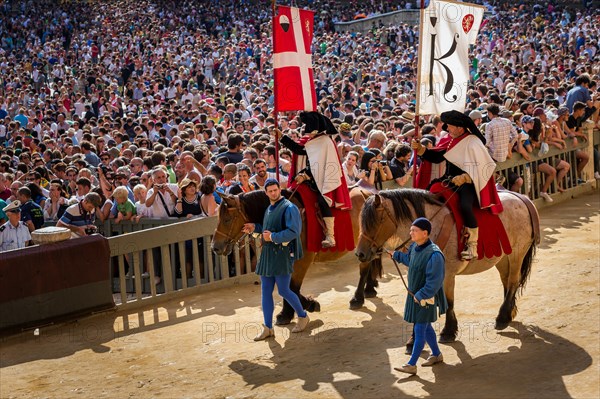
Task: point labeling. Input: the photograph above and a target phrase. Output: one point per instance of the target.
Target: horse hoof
(370, 294)
(501, 325)
(446, 339)
(356, 304)
(281, 320)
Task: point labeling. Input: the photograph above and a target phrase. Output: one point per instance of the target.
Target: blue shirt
(22, 119)
(293, 225)
(92, 159)
(434, 271)
(577, 93)
(32, 211)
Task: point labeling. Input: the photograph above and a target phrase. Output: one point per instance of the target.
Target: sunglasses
(104, 159)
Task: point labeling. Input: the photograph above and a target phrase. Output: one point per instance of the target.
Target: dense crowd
(124, 110)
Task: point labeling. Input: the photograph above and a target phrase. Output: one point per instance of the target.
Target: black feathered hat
(456, 118)
(315, 121)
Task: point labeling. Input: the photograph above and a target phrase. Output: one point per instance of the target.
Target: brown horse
(386, 219)
(250, 207)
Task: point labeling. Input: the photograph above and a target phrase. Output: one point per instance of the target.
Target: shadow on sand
(305, 358)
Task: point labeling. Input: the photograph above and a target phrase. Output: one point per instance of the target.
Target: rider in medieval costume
(469, 172)
(316, 162)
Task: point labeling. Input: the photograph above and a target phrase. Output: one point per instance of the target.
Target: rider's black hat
(456, 118)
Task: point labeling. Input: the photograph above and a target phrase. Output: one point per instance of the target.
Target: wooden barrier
(45, 283)
(150, 263)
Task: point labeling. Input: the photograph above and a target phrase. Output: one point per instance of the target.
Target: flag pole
(275, 112)
(418, 99)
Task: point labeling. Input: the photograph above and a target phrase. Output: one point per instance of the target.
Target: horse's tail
(376, 268)
(536, 238)
(526, 265)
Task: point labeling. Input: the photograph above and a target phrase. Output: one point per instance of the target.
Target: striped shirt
(75, 215)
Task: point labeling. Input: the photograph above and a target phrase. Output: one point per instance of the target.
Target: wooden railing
(152, 262)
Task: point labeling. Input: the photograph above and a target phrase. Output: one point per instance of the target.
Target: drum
(48, 235)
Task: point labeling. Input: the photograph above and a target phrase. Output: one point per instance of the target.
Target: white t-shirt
(158, 209)
(142, 210)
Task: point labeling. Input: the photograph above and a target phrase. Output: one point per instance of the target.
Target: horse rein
(404, 281)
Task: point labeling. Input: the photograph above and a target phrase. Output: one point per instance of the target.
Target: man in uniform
(14, 234)
(469, 171)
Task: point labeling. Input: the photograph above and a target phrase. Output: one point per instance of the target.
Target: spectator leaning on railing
(80, 217)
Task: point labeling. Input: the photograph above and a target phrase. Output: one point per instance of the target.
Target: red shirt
(5, 194)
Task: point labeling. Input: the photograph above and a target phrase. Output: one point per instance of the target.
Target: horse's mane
(401, 199)
(255, 205)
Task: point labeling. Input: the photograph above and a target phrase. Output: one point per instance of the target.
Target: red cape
(340, 197)
(488, 195)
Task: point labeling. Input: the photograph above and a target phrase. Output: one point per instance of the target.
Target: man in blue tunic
(282, 246)
(425, 263)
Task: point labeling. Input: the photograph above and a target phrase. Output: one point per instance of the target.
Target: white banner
(447, 29)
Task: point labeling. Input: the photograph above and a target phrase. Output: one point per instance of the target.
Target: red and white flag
(292, 61)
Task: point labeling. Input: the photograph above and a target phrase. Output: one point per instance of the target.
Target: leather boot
(470, 251)
(329, 240)
(265, 333)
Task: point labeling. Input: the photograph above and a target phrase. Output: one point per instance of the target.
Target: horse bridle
(228, 236)
(379, 248)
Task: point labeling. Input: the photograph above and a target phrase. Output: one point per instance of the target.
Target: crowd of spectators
(129, 109)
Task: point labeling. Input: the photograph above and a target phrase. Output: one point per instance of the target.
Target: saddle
(493, 240)
(344, 236)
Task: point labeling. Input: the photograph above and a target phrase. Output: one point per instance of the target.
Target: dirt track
(202, 346)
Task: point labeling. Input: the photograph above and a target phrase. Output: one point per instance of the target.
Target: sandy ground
(202, 346)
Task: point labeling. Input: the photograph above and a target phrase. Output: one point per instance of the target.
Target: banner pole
(418, 90)
(275, 112)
